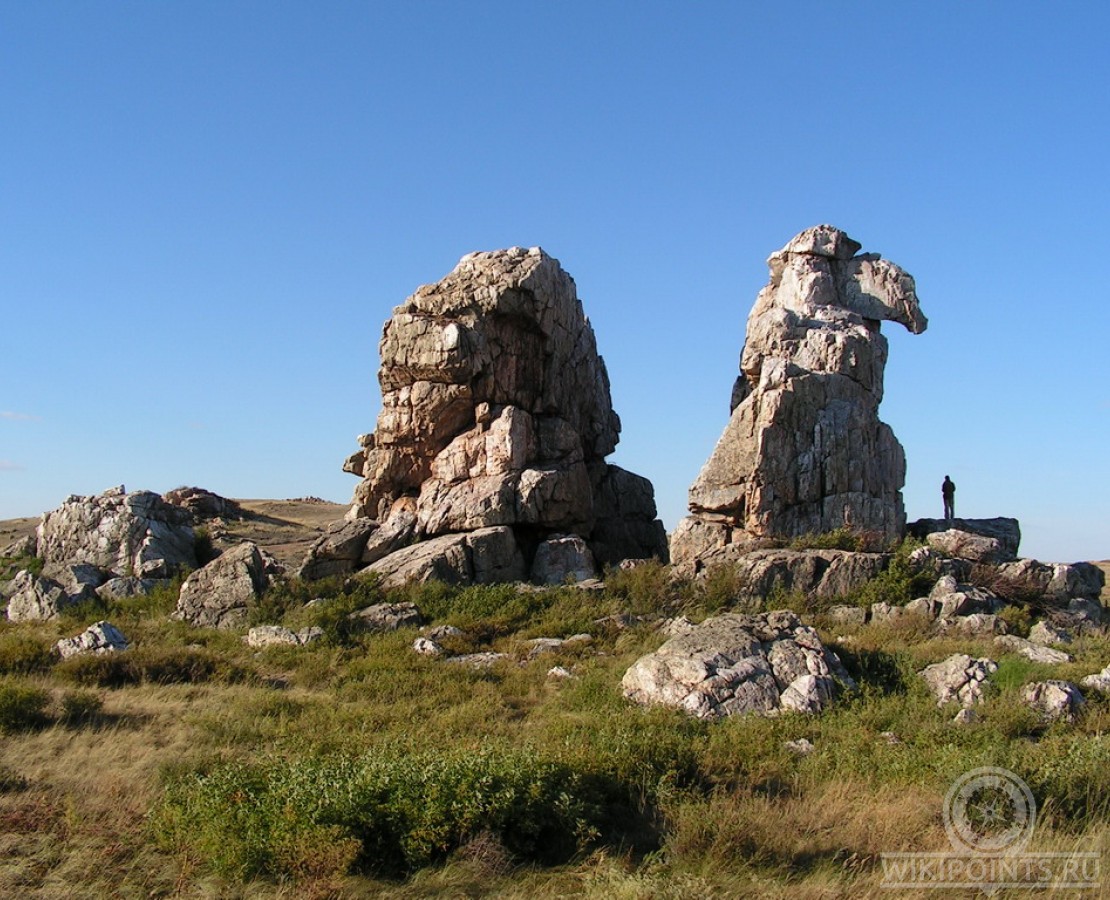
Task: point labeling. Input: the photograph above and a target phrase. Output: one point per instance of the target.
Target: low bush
(79, 707)
(24, 654)
(387, 813)
(155, 665)
(22, 706)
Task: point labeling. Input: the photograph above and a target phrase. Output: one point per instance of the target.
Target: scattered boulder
(276, 635)
(1100, 681)
(1056, 701)
(1057, 583)
(202, 504)
(815, 573)
(35, 598)
(427, 647)
(973, 625)
(539, 646)
(800, 747)
(847, 615)
(1004, 530)
(956, 599)
(496, 412)
(485, 556)
(220, 594)
(563, 557)
(100, 637)
(734, 663)
(1034, 652)
(125, 534)
(442, 632)
(477, 660)
(804, 450)
(959, 678)
(1046, 634)
(383, 617)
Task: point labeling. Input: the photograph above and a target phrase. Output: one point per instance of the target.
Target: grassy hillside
(194, 766)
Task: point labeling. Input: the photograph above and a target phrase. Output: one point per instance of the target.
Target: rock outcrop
(496, 413)
(960, 678)
(121, 533)
(804, 450)
(100, 637)
(733, 663)
(34, 598)
(956, 537)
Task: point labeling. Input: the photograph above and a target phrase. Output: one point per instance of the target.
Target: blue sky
(209, 209)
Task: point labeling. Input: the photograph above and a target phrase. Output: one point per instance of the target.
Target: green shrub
(81, 706)
(837, 539)
(157, 665)
(10, 565)
(388, 813)
(646, 588)
(203, 548)
(21, 706)
(24, 654)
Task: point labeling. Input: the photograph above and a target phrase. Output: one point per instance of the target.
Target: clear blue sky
(208, 210)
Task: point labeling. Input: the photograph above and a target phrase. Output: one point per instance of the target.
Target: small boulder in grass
(100, 637)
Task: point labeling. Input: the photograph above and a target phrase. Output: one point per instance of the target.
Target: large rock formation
(496, 413)
(804, 450)
(120, 533)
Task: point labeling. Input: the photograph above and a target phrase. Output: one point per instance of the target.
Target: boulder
(1056, 583)
(496, 412)
(954, 599)
(804, 450)
(427, 647)
(384, 617)
(973, 625)
(1034, 652)
(1056, 701)
(1046, 634)
(732, 664)
(967, 545)
(1004, 530)
(125, 534)
(847, 615)
(202, 504)
(35, 598)
(124, 586)
(1100, 681)
(562, 557)
(276, 635)
(220, 594)
(338, 551)
(101, 637)
(485, 556)
(959, 678)
(815, 573)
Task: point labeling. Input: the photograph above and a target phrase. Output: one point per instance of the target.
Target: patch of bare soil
(285, 528)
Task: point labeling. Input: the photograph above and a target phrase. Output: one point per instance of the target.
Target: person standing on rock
(948, 492)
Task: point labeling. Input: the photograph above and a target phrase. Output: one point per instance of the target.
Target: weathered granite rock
(956, 599)
(1045, 634)
(126, 534)
(1034, 652)
(1056, 701)
(539, 646)
(496, 412)
(21, 546)
(126, 586)
(1057, 583)
(384, 617)
(485, 556)
(100, 637)
(959, 678)
(1005, 530)
(847, 615)
(427, 647)
(339, 550)
(276, 635)
(733, 663)
(203, 504)
(973, 625)
(804, 450)
(1100, 681)
(562, 557)
(816, 573)
(220, 594)
(35, 598)
(966, 545)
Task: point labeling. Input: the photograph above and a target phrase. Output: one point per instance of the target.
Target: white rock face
(733, 664)
(563, 556)
(276, 635)
(35, 599)
(1034, 652)
(485, 556)
(101, 637)
(383, 617)
(959, 678)
(124, 534)
(496, 413)
(804, 450)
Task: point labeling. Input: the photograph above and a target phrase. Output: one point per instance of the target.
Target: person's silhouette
(948, 493)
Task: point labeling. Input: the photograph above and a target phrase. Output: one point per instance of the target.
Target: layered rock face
(496, 413)
(804, 450)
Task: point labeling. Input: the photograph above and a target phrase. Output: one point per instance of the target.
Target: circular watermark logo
(989, 810)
